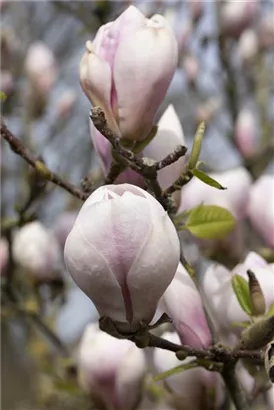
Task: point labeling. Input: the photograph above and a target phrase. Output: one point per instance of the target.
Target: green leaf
(197, 146)
(206, 179)
(241, 290)
(2, 96)
(140, 145)
(178, 369)
(271, 310)
(209, 222)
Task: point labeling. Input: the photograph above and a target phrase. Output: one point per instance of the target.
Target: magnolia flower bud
(260, 208)
(193, 385)
(4, 255)
(120, 64)
(36, 250)
(110, 370)
(234, 198)
(258, 334)
(40, 68)
(169, 135)
(221, 301)
(248, 46)
(237, 16)
(183, 304)
(123, 252)
(245, 129)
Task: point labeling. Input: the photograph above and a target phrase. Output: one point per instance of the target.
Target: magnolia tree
(159, 242)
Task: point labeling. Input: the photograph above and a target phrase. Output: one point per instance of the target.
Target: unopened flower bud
(168, 136)
(245, 132)
(122, 248)
(258, 334)
(183, 304)
(236, 16)
(256, 295)
(123, 50)
(260, 208)
(40, 68)
(36, 250)
(248, 46)
(110, 370)
(217, 288)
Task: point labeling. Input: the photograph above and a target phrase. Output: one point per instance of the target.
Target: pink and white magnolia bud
(260, 208)
(123, 252)
(110, 370)
(183, 304)
(236, 16)
(4, 255)
(193, 386)
(266, 31)
(169, 135)
(63, 225)
(121, 63)
(40, 67)
(245, 130)
(221, 301)
(248, 46)
(234, 198)
(36, 250)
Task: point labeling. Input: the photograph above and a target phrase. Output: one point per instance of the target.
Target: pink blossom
(121, 63)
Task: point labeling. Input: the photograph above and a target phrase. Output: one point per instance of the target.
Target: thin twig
(19, 149)
(216, 354)
(179, 152)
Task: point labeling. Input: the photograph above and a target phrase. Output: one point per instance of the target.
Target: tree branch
(19, 149)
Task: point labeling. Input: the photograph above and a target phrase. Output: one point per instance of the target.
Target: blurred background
(224, 77)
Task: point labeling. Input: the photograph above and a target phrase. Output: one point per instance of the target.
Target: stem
(235, 391)
(19, 149)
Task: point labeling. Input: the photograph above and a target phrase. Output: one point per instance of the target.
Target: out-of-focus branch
(230, 84)
(13, 300)
(19, 149)
(235, 391)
